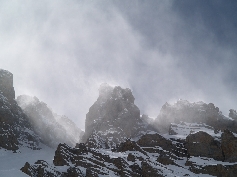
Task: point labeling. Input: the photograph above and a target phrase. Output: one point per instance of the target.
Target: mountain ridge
(186, 139)
(190, 140)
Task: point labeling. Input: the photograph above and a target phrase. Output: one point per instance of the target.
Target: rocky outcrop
(203, 144)
(52, 128)
(219, 170)
(229, 146)
(15, 129)
(42, 168)
(152, 140)
(113, 117)
(191, 112)
(6, 85)
(95, 162)
(233, 114)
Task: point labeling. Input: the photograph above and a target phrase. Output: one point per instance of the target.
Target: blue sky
(61, 51)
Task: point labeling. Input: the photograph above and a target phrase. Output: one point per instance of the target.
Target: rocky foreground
(186, 139)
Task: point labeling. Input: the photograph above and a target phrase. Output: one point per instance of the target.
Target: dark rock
(137, 171)
(203, 144)
(131, 157)
(218, 170)
(129, 145)
(113, 118)
(15, 129)
(6, 84)
(40, 169)
(73, 172)
(26, 169)
(149, 171)
(229, 146)
(61, 155)
(91, 173)
(165, 159)
(152, 140)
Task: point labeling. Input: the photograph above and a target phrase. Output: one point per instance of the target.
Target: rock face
(219, 170)
(203, 144)
(6, 84)
(15, 129)
(191, 112)
(229, 146)
(113, 118)
(52, 128)
(233, 114)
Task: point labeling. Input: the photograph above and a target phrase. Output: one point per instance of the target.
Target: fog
(61, 51)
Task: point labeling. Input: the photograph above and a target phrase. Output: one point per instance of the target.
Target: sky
(61, 51)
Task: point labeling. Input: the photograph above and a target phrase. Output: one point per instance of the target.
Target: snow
(184, 129)
(203, 161)
(11, 163)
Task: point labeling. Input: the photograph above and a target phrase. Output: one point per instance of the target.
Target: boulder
(203, 144)
(229, 146)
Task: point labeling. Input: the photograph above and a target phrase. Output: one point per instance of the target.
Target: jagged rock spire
(6, 84)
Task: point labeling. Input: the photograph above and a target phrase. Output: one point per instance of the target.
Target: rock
(229, 146)
(113, 117)
(129, 145)
(41, 168)
(52, 128)
(233, 114)
(73, 172)
(137, 171)
(120, 142)
(149, 171)
(91, 173)
(131, 157)
(15, 129)
(165, 159)
(26, 169)
(188, 112)
(152, 140)
(61, 155)
(218, 170)
(6, 84)
(203, 144)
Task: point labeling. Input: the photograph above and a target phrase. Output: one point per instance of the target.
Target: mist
(61, 51)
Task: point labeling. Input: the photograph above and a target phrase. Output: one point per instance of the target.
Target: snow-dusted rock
(6, 85)
(198, 112)
(229, 146)
(52, 128)
(113, 118)
(204, 145)
(15, 130)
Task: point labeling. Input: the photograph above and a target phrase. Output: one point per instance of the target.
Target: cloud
(60, 51)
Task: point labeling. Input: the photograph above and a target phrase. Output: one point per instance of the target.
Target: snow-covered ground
(11, 163)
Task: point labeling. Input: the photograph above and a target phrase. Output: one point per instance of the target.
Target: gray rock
(113, 118)
(15, 129)
(203, 144)
(229, 146)
(52, 128)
